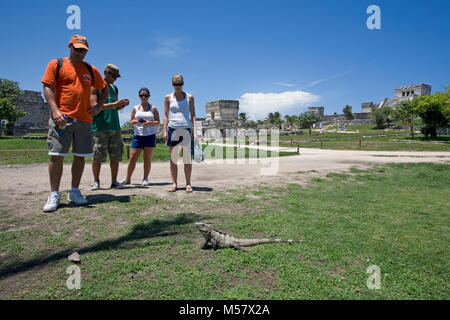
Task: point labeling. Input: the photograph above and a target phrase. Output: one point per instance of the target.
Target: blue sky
(271, 55)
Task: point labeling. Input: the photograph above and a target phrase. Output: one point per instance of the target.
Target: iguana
(221, 240)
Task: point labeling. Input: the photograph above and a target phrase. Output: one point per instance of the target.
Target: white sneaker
(144, 182)
(52, 202)
(124, 182)
(75, 196)
(95, 186)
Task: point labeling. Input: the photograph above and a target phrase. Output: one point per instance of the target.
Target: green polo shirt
(107, 120)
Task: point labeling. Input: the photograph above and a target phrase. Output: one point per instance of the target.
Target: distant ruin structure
(37, 113)
(317, 110)
(220, 115)
(401, 94)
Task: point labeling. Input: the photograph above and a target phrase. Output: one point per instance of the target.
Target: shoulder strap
(59, 64)
(89, 67)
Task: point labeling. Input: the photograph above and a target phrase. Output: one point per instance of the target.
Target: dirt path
(19, 180)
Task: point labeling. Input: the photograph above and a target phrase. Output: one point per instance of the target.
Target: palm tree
(274, 119)
(243, 116)
(308, 118)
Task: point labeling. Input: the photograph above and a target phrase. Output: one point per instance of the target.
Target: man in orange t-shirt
(67, 89)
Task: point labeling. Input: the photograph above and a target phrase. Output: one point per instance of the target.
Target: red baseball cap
(79, 42)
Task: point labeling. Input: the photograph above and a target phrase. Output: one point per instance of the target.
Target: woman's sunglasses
(177, 84)
(144, 95)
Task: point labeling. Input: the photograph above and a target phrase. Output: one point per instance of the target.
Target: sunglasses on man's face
(144, 95)
(81, 50)
(177, 84)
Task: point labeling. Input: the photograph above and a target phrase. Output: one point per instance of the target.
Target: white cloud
(258, 105)
(283, 84)
(169, 47)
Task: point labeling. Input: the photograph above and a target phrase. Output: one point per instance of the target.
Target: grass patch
(145, 247)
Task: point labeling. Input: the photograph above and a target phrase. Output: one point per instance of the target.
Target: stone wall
(38, 113)
(367, 107)
(317, 110)
(360, 118)
(222, 110)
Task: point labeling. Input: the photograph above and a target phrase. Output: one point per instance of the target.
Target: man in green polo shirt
(106, 129)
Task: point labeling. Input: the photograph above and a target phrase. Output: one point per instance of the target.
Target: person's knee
(78, 160)
(57, 159)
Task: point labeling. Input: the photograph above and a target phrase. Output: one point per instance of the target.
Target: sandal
(173, 188)
(189, 189)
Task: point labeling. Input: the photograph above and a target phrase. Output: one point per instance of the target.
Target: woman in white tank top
(179, 119)
(145, 118)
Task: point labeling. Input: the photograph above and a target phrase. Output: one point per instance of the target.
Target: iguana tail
(254, 242)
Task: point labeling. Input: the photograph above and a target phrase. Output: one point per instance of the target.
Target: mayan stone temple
(38, 113)
(220, 115)
(401, 94)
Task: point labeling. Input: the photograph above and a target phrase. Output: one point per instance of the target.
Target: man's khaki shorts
(108, 142)
(59, 141)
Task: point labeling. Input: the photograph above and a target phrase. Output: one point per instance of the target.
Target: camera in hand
(141, 120)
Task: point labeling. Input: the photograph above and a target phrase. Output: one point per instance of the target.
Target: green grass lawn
(144, 247)
(378, 144)
(372, 139)
(20, 151)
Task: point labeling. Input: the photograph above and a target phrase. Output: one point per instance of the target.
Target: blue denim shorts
(175, 141)
(140, 142)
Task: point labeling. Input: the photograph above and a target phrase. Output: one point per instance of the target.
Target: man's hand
(122, 103)
(58, 118)
(166, 136)
(95, 110)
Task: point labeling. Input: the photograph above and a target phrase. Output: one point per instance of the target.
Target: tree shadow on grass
(155, 228)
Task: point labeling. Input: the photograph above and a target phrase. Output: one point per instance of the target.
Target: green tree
(434, 111)
(446, 98)
(349, 116)
(274, 119)
(383, 116)
(407, 113)
(9, 91)
(307, 119)
(243, 117)
(127, 126)
(252, 124)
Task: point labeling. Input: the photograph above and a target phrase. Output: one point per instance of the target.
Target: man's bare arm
(96, 109)
(193, 117)
(57, 116)
(166, 117)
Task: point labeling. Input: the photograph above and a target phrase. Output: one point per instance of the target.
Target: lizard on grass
(221, 240)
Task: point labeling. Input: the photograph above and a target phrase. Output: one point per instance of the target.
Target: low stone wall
(360, 118)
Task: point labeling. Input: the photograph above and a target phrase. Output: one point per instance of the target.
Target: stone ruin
(401, 94)
(38, 113)
(317, 110)
(220, 115)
